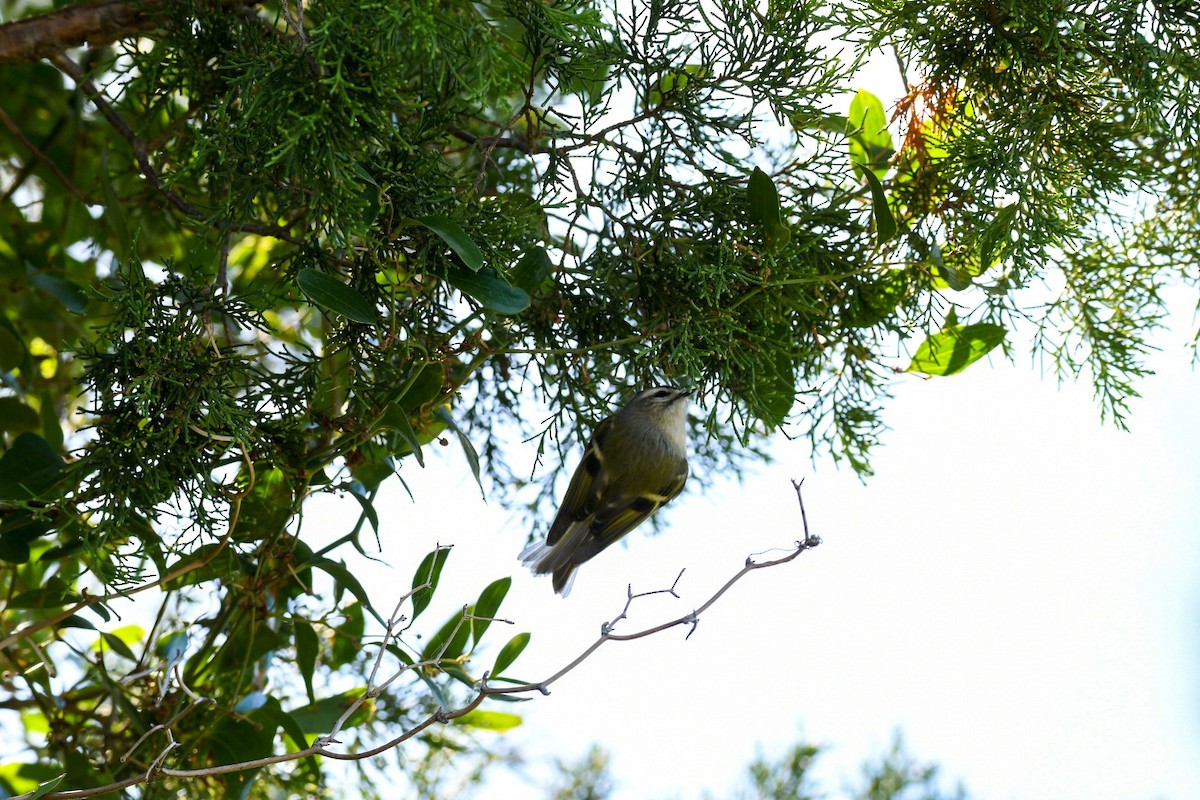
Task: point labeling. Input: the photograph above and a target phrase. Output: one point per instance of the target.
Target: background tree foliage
(251, 253)
(894, 776)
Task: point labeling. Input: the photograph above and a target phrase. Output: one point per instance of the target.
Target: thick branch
(94, 24)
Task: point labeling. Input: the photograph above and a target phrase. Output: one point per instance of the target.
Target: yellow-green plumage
(635, 463)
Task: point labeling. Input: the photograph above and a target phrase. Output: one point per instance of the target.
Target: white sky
(1017, 590)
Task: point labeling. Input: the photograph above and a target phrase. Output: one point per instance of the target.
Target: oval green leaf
(956, 348)
(488, 604)
(16, 416)
(395, 418)
(428, 573)
(28, 468)
(489, 289)
(307, 645)
(885, 223)
(453, 235)
(764, 208)
(532, 270)
(866, 128)
(64, 291)
(508, 654)
(330, 293)
(489, 720)
(468, 448)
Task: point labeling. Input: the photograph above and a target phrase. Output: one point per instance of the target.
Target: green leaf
(869, 140)
(488, 604)
(396, 418)
(118, 646)
(955, 278)
(423, 386)
(20, 527)
(508, 654)
(237, 738)
(429, 572)
(489, 720)
(12, 349)
(113, 215)
(489, 289)
(764, 208)
(450, 641)
(328, 292)
(320, 716)
(272, 711)
(885, 223)
(773, 392)
(268, 507)
(368, 510)
(16, 416)
(347, 638)
(953, 350)
(29, 468)
(51, 428)
(532, 270)
(224, 561)
(370, 197)
(346, 580)
(13, 550)
(54, 593)
(64, 291)
(307, 645)
(47, 787)
(468, 448)
(452, 234)
(673, 83)
(247, 643)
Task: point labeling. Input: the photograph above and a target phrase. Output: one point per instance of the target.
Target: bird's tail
(557, 558)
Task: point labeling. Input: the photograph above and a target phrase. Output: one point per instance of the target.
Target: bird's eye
(663, 393)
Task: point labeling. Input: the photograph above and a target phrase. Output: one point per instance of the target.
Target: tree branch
(94, 24)
(441, 715)
(141, 155)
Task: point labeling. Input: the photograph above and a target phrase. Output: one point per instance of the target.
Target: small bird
(635, 463)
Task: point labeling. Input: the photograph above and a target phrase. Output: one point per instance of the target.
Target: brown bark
(92, 24)
(95, 25)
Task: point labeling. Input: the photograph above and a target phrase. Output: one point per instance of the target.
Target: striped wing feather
(586, 487)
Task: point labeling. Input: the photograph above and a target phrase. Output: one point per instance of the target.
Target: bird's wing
(587, 484)
(622, 514)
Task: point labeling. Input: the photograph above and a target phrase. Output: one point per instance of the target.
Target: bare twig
(443, 716)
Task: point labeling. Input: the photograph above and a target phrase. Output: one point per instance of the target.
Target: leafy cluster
(1043, 143)
(253, 252)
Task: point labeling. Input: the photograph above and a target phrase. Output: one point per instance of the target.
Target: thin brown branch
(489, 143)
(17, 133)
(141, 155)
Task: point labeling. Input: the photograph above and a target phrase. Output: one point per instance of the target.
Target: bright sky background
(1017, 591)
